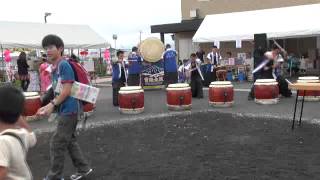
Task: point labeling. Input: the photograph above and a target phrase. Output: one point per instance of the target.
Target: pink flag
(107, 54)
(7, 56)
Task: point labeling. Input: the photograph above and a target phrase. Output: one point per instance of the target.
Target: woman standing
(23, 71)
(45, 74)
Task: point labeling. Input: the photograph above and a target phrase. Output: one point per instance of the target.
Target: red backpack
(80, 73)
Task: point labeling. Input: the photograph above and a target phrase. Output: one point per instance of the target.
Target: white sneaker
(78, 175)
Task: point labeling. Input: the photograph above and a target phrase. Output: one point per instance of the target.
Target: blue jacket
(135, 64)
(170, 62)
(116, 72)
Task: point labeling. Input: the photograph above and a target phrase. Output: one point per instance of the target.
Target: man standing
(196, 76)
(135, 67)
(119, 76)
(67, 107)
(200, 54)
(170, 66)
(214, 58)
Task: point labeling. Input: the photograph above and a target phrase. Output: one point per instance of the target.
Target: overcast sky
(122, 17)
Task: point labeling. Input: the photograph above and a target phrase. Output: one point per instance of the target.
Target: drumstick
(288, 81)
(278, 45)
(265, 62)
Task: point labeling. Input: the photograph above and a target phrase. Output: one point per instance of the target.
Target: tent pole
(100, 61)
(2, 53)
(2, 62)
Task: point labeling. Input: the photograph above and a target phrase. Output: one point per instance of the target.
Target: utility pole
(45, 16)
(140, 35)
(115, 37)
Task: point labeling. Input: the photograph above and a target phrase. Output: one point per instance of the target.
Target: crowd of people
(16, 137)
(128, 72)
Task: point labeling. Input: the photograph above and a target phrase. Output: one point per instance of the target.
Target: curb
(119, 122)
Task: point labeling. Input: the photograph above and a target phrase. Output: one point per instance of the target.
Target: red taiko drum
(32, 103)
(221, 94)
(309, 95)
(179, 97)
(266, 91)
(131, 100)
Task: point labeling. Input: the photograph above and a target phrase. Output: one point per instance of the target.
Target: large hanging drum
(310, 95)
(221, 94)
(151, 49)
(179, 96)
(266, 91)
(32, 103)
(131, 100)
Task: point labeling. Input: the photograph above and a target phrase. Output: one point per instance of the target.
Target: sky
(126, 18)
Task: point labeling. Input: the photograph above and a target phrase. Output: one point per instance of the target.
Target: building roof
(183, 26)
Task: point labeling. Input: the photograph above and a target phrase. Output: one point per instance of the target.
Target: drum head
(265, 80)
(31, 95)
(309, 78)
(151, 49)
(220, 83)
(178, 85)
(130, 88)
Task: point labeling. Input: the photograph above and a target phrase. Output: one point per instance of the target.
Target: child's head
(193, 56)
(134, 49)
(11, 104)
(44, 58)
(54, 46)
(120, 54)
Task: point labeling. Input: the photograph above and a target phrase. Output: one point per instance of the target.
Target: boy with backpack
(67, 108)
(16, 137)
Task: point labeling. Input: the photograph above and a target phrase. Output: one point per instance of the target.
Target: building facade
(194, 11)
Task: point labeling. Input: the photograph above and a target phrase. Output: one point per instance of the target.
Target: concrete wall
(226, 6)
(184, 44)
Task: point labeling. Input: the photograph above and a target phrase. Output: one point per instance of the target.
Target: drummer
(196, 76)
(119, 76)
(267, 71)
(170, 66)
(279, 57)
(214, 58)
(134, 68)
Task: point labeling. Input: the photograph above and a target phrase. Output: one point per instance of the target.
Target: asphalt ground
(155, 106)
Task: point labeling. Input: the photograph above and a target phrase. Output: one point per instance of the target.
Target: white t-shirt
(13, 156)
(211, 56)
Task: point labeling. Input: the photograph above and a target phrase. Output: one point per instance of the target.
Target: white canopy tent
(287, 22)
(29, 35)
